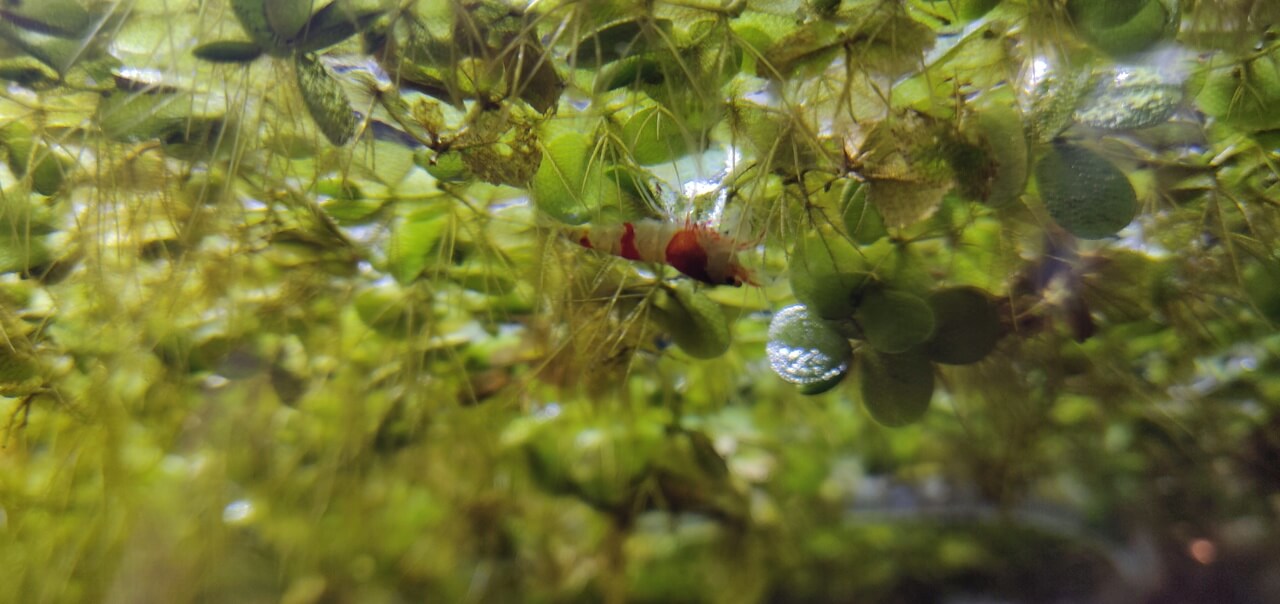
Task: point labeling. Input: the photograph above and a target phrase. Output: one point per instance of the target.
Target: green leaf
(827, 273)
(63, 18)
(861, 220)
(447, 167)
(654, 136)
(413, 242)
(333, 24)
(806, 351)
(58, 53)
(1152, 23)
(1001, 128)
(325, 100)
(894, 321)
(696, 323)
(968, 326)
(1085, 194)
(569, 180)
(611, 41)
(1244, 95)
(20, 252)
(896, 388)
(1055, 100)
(286, 17)
(20, 372)
(228, 51)
(27, 71)
(49, 169)
(1130, 98)
(387, 309)
(1103, 13)
(252, 15)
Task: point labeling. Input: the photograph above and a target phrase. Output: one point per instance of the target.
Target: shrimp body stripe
(690, 248)
(644, 240)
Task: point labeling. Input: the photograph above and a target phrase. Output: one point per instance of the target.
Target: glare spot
(215, 381)
(237, 512)
(548, 411)
(1203, 551)
(145, 76)
(1039, 71)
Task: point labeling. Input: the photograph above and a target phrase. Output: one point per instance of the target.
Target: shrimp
(691, 248)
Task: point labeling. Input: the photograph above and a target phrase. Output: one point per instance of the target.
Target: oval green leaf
(325, 100)
(695, 322)
(894, 321)
(896, 388)
(228, 51)
(862, 220)
(826, 274)
(286, 17)
(1085, 193)
(1130, 98)
(1002, 128)
(968, 326)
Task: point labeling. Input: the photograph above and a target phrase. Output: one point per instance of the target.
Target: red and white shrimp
(691, 248)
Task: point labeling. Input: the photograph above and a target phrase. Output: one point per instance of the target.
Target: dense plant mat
(662, 301)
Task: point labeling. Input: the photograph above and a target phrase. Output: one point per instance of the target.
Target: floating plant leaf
(286, 17)
(653, 136)
(500, 147)
(894, 321)
(896, 388)
(27, 71)
(826, 273)
(19, 371)
(333, 24)
(49, 172)
(252, 15)
(49, 169)
(413, 241)
(135, 117)
(1055, 101)
(1103, 13)
(387, 309)
(1085, 194)
(325, 100)
(446, 167)
(806, 351)
(19, 253)
(1244, 95)
(907, 169)
(611, 41)
(19, 141)
(1001, 128)
(861, 220)
(63, 18)
(696, 323)
(1152, 23)
(228, 51)
(968, 326)
(643, 69)
(56, 52)
(1129, 98)
(569, 182)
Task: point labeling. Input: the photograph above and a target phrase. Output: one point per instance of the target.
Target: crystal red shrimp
(691, 248)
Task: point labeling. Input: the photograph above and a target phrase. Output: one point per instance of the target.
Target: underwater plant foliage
(639, 301)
